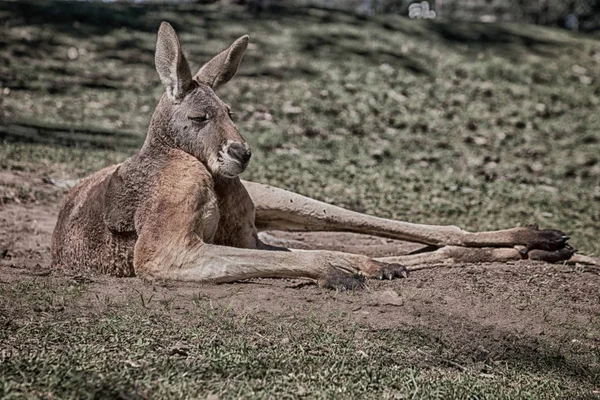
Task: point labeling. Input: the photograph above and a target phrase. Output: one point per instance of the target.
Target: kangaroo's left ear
(223, 66)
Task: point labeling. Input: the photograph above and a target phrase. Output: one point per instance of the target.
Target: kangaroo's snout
(240, 152)
(234, 158)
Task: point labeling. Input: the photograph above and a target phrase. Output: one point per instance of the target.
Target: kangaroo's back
(82, 240)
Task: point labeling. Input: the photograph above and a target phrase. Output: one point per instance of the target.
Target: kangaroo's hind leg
(279, 209)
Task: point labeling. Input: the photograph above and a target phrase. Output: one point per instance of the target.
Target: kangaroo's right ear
(171, 65)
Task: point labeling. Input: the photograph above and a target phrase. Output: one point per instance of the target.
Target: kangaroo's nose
(240, 151)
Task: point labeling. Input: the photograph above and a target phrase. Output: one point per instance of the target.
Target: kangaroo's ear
(223, 66)
(171, 65)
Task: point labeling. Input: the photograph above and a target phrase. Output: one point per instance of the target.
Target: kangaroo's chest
(229, 217)
(208, 223)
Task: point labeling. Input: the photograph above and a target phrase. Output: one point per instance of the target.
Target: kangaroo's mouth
(230, 163)
(231, 169)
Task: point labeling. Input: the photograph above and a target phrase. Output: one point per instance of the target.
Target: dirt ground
(482, 308)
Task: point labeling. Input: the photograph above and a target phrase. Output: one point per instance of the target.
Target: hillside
(428, 122)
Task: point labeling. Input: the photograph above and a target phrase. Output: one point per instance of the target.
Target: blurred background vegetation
(575, 15)
(484, 125)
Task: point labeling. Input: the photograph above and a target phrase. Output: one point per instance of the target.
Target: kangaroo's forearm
(212, 263)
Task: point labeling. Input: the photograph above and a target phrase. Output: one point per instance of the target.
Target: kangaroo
(178, 210)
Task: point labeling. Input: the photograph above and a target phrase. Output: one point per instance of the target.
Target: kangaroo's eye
(231, 114)
(199, 117)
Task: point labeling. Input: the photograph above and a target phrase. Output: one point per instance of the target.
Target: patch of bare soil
(22, 188)
(25, 232)
(29, 207)
(487, 309)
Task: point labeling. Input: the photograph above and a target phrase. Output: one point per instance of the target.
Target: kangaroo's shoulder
(146, 184)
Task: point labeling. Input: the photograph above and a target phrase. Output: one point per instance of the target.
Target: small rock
(387, 297)
(73, 53)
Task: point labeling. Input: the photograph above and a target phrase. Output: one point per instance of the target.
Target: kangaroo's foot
(562, 254)
(548, 240)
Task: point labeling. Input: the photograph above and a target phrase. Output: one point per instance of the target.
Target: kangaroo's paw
(391, 271)
(340, 280)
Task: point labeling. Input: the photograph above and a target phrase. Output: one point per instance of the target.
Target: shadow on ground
(65, 136)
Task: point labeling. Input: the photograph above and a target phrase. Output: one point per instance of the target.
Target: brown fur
(177, 209)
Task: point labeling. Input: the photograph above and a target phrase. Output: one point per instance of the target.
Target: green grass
(138, 344)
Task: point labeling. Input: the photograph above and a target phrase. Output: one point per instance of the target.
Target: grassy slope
(477, 125)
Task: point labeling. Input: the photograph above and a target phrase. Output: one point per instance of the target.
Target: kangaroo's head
(190, 116)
